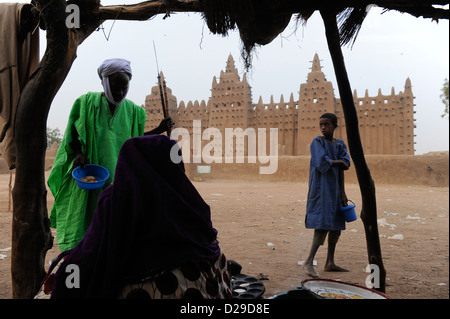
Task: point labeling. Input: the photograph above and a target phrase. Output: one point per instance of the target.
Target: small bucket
(349, 212)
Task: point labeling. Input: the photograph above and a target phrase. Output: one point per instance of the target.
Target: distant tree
(444, 98)
(53, 135)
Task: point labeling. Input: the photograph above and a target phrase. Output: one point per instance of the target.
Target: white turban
(109, 67)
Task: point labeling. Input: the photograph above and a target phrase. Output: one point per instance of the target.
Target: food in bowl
(89, 179)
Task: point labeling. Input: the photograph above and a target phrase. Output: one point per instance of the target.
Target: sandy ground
(261, 226)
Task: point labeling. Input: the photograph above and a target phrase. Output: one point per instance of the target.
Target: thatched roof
(261, 21)
(258, 21)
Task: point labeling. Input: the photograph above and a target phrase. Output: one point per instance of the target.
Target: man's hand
(166, 124)
(80, 160)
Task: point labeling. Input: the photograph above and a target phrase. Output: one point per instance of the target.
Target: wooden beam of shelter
(146, 10)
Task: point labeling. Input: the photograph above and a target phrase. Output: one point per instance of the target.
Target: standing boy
(326, 194)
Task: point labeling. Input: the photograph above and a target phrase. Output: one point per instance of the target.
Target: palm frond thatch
(255, 19)
(350, 21)
(222, 16)
(261, 21)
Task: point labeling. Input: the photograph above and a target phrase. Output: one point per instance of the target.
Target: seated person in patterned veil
(151, 235)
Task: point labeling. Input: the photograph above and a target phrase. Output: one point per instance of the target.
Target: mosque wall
(386, 122)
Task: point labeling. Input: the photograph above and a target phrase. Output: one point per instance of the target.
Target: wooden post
(10, 191)
(366, 183)
(166, 104)
(31, 235)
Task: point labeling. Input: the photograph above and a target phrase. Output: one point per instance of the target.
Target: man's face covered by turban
(115, 75)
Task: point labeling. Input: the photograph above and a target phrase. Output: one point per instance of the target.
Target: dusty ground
(261, 225)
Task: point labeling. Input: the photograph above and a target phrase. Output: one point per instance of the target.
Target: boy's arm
(344, 199)
(341, 163)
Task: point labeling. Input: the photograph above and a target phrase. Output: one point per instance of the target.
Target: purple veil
(151, 218)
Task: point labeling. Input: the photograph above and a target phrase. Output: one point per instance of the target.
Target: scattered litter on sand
(2, 256)
(301, 262)
(390, 214)
(262, 276)
(382, 222)
(412, 217)
(397, 236)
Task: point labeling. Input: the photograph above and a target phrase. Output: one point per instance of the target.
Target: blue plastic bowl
(100, 173)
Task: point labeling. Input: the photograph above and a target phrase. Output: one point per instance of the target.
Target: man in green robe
(99, 124)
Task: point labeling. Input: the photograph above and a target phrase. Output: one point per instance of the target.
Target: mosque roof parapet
(260, 101)
(291, 98)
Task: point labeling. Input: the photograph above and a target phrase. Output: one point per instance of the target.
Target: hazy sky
(390, 48)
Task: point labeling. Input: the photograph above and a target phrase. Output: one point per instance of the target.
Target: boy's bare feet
(310, 271)
(335, 268)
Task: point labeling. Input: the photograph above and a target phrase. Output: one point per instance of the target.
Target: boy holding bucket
(326, 194)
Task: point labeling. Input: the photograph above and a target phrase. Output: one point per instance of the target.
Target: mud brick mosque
(386, 122)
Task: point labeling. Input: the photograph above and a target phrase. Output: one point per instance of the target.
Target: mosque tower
(230, 103)
(315, 98)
